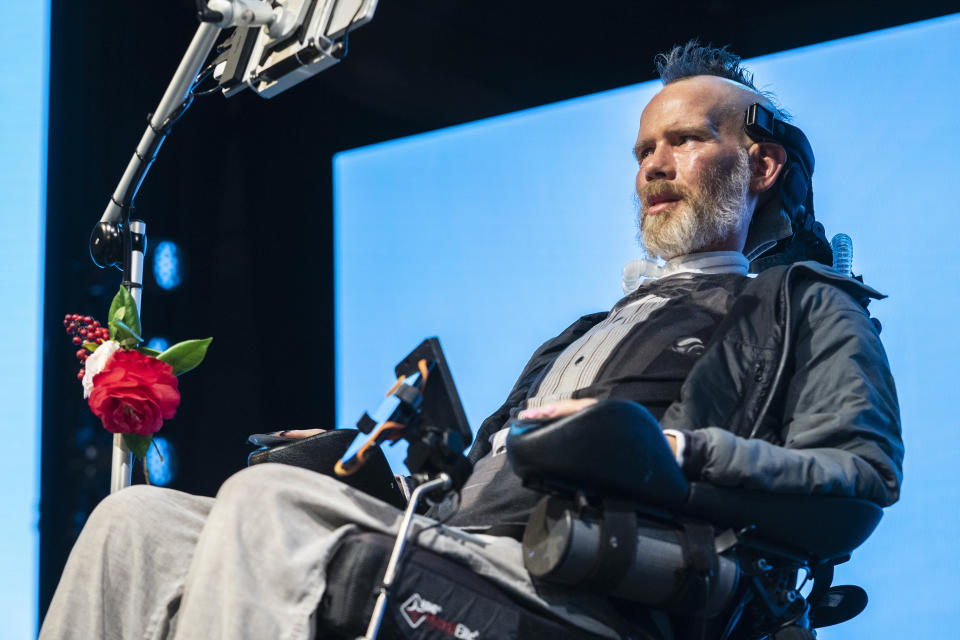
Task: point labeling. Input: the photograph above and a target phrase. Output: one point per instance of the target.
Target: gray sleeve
(841, 421)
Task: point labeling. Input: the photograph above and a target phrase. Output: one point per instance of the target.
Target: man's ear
(766, 162)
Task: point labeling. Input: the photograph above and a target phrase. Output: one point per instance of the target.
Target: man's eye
(644, 153)
(688, 138)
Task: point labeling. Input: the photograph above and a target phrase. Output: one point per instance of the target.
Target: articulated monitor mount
(274, 46)
(424, 409)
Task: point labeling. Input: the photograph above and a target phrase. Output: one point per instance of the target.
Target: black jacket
(793, 394)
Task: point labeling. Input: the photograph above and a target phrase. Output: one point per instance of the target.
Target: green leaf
(185, 355)
(125, 335)
(147, 351)
(137, 444)
(123, 309)
(90, 346)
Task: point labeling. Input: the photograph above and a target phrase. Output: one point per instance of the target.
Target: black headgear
(795, 189)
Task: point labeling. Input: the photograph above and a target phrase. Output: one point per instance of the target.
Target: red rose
(134, 393)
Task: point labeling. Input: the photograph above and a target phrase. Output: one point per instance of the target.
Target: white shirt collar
(707, 262)
(637, 271)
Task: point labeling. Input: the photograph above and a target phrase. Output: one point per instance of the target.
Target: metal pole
(177, 91)
(121, 464)
(443, 481)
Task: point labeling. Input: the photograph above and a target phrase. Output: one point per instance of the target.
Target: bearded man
(777, 382)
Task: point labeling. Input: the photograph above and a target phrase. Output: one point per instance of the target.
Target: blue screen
(496, 235)
(23, 111)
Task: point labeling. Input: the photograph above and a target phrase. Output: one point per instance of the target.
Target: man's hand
(556, 409)
(298, 433)
(672, 441)
(568, 407)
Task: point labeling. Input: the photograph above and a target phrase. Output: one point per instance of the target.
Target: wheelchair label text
(417, 610)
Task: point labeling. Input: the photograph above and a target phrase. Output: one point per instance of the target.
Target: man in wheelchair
(704, 442)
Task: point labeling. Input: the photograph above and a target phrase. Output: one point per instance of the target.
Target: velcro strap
(618, 546)
(701, 563)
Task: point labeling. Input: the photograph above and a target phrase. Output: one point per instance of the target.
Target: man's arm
(841, 421)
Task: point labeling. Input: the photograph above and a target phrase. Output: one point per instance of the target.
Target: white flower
(96, 363)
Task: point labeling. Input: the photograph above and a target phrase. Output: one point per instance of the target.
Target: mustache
(661, 189)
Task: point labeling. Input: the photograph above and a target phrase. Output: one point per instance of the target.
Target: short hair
(695, 59)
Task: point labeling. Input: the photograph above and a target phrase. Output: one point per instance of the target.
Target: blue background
(497, 234)
(24, 49)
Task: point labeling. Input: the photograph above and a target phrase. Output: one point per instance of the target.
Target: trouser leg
(258, 569)
(152, 563)
(259, 566)
(125, 575)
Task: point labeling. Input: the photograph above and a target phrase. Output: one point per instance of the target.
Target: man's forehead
(697, 100)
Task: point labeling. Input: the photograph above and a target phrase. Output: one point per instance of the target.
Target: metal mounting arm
(118, 241)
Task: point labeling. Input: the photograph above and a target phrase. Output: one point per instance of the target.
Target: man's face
(693, 178)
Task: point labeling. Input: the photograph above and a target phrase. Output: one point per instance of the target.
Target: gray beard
(701, 219)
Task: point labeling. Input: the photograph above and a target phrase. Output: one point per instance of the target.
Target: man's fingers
(556, 409)
(300, 433)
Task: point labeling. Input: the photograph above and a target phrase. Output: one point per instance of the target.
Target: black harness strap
(618, 545)
(701, 563)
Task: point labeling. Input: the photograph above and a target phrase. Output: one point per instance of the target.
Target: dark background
(244, 187)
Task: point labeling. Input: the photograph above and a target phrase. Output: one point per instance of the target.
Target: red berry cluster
(84, 329)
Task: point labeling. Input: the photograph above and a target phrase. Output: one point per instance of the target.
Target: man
(777, 383)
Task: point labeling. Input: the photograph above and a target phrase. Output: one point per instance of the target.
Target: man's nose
(658, 165)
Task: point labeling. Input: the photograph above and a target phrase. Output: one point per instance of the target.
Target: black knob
(106, 245)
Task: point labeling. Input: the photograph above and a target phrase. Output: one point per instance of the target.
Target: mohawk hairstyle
(695, 59)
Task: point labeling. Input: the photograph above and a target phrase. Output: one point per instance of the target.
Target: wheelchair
(678, 560)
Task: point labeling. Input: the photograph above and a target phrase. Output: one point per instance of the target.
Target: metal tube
(186, 73)
(443, 481)
(138, 247)
(177, 91)
(121, 464)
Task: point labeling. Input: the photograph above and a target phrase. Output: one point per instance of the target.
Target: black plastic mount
(762, 124)
(809, 241)
(206, 15)
(437, 430)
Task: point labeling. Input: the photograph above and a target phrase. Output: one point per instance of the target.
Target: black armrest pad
(824, 527)
(613, 448)
(320, 453)
(616, 449)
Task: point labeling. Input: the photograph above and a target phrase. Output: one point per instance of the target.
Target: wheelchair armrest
(822, 527)
(613, 448)
(616, 449)
(320, 453)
